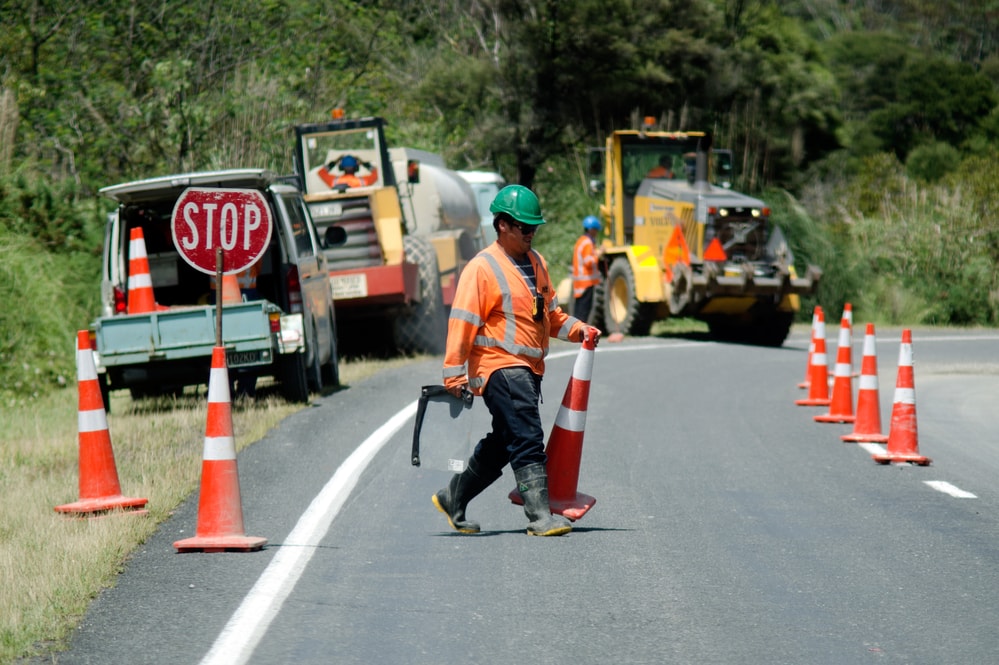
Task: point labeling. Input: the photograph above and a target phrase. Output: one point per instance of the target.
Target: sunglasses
(525, 229)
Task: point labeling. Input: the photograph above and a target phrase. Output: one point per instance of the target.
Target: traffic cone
(140, 282)
(841, 404)
(220, 511)
(565, 443)
(230, 290)
(867, 426)
(903, 445)
(818, 376)
(99, 487)
(811, 349)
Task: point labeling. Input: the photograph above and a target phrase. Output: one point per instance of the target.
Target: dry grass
(52, 566)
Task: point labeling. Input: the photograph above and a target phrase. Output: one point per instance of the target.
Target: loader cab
(320, 146)
(666, 166)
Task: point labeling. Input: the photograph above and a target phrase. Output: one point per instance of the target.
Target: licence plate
(349, 286)
(242, 358)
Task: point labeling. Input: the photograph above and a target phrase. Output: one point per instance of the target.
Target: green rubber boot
(453, 499)
(532, 483)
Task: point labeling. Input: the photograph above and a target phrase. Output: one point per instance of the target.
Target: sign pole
(218, 296)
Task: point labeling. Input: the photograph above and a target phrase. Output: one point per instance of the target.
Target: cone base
(834, 418)
(211, 544)
(813, 402)
(104, 504)
(572, 508)
(857, 437)
(902, 458)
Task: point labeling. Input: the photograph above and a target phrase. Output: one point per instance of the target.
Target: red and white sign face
(237, 220)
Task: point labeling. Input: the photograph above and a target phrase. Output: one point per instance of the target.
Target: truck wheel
(622, 311)
(422, 328)
(315, 368)
(331, 368)
(104, 383)
(294, 378)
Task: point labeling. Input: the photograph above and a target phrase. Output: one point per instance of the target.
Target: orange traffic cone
(903, 445)
(99, 487)
(841, 405)
(140, 282)
(220, 510)
(230, 290)
(811, 350)
(818, 376)
(867, 426)
(565, 444)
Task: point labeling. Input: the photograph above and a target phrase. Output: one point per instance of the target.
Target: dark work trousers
(517, 438)
(581, 309)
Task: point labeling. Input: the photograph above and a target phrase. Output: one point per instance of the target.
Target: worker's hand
(459, 391)
(591, 332)
(366, 165)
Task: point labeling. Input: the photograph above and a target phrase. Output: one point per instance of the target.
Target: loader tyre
(597, 310)
(622, 311)
(422, 328)
(773, 329)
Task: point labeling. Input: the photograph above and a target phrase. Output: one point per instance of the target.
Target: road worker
(348, 178)
(504, 311)
(585, 276)
(663, 170)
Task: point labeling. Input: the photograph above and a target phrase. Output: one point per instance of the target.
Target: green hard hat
(520, 203)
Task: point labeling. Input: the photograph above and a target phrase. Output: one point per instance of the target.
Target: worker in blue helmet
(348, 176)
(586, 257)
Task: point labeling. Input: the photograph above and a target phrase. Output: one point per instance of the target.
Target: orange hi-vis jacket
(492, 322)
(584, 266)
(349, 179)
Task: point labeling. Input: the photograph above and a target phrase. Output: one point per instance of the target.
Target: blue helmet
(591, 222)
(348, 162)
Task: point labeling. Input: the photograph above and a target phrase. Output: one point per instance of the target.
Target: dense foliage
(872, 125)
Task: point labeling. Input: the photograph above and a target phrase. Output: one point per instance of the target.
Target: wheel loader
(679, 242)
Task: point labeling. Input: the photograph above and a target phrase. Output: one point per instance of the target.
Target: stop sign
(237, 220)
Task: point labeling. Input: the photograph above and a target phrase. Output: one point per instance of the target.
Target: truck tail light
(294, 288)
(274, 318)
(120, 306)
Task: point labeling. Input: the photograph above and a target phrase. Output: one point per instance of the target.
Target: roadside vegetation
(871, 128)
(51, 565)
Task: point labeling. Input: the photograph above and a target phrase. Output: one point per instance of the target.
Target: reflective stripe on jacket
(492, 324)
(584, 266)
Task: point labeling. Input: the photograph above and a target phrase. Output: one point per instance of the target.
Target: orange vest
(492, 322)
(349, 179)
(584, 266)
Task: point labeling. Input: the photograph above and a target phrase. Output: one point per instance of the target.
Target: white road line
(236, 642)
(947, 488)
(246, 627)
(873, 448)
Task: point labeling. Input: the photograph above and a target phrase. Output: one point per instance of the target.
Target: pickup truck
(285, 326)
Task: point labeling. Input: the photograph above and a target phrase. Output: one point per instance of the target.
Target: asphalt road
(729, 528)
